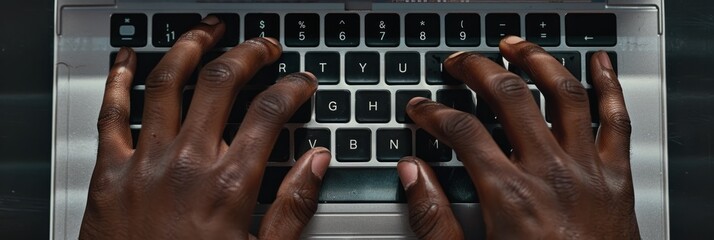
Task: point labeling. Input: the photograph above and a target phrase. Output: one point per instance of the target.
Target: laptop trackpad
(371, 185)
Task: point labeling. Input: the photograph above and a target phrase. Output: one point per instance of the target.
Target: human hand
(556, 184)
(183, 181)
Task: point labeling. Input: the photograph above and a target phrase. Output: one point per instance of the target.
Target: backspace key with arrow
(591, 29)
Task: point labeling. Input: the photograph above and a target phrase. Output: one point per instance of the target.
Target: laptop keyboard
(368, 67)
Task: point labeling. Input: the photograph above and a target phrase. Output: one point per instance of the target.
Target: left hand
(183, 181)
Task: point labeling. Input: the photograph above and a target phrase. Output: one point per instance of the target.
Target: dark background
(26, 40)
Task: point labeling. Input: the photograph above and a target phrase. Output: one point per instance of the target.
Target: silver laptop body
(82, 56)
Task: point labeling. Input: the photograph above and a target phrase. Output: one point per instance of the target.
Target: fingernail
(211, 20)
(273, 41)
(320, 162)
(456, 54)
(513, 40)
(408, 173)
(122, 55)
(604, 60)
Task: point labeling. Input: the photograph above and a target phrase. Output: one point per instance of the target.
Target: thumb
(430, 214)
(296, 201)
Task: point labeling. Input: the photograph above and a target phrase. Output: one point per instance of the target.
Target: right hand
(556, 184)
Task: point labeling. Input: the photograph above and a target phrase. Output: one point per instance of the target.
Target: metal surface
(83, 56)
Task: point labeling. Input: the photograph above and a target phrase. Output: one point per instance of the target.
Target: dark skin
(183, 181)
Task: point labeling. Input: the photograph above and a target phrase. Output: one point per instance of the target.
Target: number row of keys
(381, 29)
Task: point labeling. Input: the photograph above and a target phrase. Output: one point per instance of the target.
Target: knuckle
(460, 127)
(161, 78)
(111, 116)
(301, 204)
(218, 74)
(518, 196)
(424, 217)
(183, 169)
(101, 190)
(562, 180)
(620, 122)
(508, 86)
(570, 89)
(272, 107)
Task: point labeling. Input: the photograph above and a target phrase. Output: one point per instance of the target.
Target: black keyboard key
(342, 30)
(262, 25)
(302, 30)
(543, 29)
(435, 72)
(324, 65)
(145, 62)
(332, 106)
(591, 29)
(500, 25)
(303, 113)
(459, 99)
(463, 29)
(382, 30)
(135, 137)
(402, 68)
(240, 107)
(281, 149)
(306, 139)
(422, 30)
(484, 113)
(536, 97)
(588, 60)
(229, 133)
(430, 149)
(168, 27)
(136, 99)
(402, 99)
(288, 63)
(128, 30)
(186, 103)
(372, 106)
(571, 61)
(231, 37)
(353, 145)
(393, 144)
(499, 136)
(362, 68)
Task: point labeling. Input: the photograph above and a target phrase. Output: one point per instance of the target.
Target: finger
(296, 201)
(615, 129)
(113, 124)
(269, 111)
(164, 85)
(430, 214)
(508, 95)
(465, 134)
(217, 86)
(567, 99)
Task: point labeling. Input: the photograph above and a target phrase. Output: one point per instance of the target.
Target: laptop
(358, 111)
